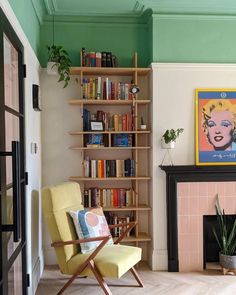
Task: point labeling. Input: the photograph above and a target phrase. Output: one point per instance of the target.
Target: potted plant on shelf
(143, 126)
(59, 63)
(226, 239)
(169, 137)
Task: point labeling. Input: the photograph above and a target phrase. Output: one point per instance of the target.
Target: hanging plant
(60, 60)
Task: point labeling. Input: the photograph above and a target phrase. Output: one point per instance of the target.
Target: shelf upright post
(135, 152)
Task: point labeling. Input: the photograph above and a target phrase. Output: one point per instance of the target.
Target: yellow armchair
(57, 202)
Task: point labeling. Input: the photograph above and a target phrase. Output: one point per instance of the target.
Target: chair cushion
(90, 223)
(112, 261)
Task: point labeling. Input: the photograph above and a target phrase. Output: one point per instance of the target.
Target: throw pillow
(90, 223)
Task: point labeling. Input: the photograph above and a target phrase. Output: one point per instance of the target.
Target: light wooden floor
(158, 283)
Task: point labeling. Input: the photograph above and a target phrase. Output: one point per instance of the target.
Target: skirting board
(159, 260)
(35, 277)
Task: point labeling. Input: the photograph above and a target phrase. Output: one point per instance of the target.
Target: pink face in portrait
(220, 127)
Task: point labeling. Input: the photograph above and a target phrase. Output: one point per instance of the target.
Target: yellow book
(99, 168)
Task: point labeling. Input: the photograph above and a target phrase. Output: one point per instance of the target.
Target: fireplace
(176, 175)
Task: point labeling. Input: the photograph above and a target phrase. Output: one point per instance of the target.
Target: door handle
(16, 189)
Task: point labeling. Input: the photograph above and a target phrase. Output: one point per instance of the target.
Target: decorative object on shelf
(168, 142)
(226, 239)
(215, 114)
(134, 89)
(143, 126)
(58, 61)
(96, 126)
(36, 97)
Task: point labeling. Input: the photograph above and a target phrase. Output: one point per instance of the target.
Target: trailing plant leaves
(61, 57)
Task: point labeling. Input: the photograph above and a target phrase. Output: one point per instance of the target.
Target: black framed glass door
(12, 159)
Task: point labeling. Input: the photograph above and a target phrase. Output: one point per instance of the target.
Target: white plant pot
(143, 127)
(169, 145)
(52, 68)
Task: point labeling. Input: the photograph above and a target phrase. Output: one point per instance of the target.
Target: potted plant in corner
(169, 137)
(226, 239)
(59, 63)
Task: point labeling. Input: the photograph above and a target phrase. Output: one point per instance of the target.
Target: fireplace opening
(211, 248)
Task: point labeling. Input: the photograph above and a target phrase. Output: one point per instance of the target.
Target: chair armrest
(122, 224)
(76, 242)
(128, 226)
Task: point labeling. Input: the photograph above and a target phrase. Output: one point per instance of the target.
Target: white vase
(52, 68)
(169, 145)
(143, 127)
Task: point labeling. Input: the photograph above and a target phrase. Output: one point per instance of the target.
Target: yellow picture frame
(215, 126)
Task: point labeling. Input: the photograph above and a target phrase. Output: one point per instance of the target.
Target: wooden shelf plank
(79, 178)
(107, 102)
(111, 148)
(142, 237)
(109, 71)
(109, 132)
(139, 208)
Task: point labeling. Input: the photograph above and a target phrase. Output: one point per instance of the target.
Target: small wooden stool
(226, 271)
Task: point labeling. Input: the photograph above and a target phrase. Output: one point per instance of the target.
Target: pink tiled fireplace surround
(190, 194)
(195, 199)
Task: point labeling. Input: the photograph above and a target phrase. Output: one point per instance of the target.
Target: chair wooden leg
(99, 278)
(135, 274)
(69, 282)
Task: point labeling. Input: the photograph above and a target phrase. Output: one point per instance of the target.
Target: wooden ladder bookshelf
(139, 105)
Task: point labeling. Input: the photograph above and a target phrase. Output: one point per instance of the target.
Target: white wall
(33, 161)
(173, 107)
(58, 118)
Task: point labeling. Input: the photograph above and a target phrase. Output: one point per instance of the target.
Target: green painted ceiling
(135, 8)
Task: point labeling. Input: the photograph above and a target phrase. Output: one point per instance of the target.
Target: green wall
(29, 20)
(121, 39)
(194, 38)
(161, 38)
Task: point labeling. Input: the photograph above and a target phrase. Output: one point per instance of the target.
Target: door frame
(6, 28)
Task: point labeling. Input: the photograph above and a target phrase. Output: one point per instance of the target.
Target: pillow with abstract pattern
(90, 223)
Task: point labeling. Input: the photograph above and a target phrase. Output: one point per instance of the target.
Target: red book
(112, 90)
(102, 168)
(128, 122)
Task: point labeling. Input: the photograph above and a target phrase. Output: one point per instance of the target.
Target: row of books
(109, 168)
(114, 122)
(114, 219)
(105, 89)
(98, 59)
(108, 197)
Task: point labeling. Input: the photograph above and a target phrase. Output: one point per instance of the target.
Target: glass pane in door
(12, 134)
(11, 75)
(15, 277)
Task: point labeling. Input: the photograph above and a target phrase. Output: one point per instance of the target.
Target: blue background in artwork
(216, 94)
(217, 156)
